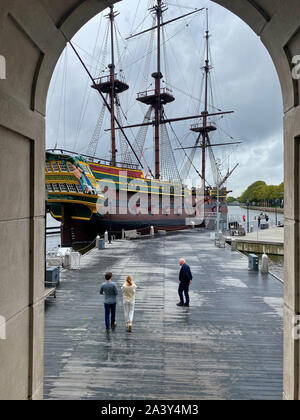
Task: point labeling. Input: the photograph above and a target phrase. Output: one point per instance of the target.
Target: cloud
(244, 80)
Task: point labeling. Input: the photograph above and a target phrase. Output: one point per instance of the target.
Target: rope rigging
(126, 156)
(140, 74)
(92, 148)
(188, 165)
(140, 139)
(168, 167)
(181, 147)
(86, 95)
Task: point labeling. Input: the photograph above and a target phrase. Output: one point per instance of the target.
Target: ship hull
(84, 232)
(81, 197)
(77, 232)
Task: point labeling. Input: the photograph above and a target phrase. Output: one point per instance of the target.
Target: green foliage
(231, 200)
(261, 193)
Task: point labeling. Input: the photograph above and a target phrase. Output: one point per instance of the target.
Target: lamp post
(248, 230)
(218, 209)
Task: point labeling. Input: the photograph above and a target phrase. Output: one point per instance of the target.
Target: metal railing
(94, 159)
(153, 92)
(200, 125)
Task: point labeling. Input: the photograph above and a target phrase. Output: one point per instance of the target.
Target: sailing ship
(91, 195)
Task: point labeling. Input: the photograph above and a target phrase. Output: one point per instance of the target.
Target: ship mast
(159, 97)
(112, 86)
(158, 76)
(157, 101)
(204, 129)
(207, 69)
(112, 16)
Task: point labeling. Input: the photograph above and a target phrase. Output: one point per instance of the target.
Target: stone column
(31, 42)
(292, 250)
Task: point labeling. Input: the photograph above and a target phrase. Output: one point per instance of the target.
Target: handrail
(197, 125)
(147, 92)
(95, 159)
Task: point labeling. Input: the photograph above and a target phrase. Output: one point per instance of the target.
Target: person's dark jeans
(110, 310)
(184, 288)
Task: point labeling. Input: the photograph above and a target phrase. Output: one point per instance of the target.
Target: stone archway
(31, 42)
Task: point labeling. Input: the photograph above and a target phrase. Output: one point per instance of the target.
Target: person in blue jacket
(185, 280)
(110, 291)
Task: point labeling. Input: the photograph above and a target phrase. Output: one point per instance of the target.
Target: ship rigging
(77, 211)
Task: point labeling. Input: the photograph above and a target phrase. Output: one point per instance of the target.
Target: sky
(244, 80)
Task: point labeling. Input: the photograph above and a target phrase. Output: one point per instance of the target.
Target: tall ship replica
(90, 195)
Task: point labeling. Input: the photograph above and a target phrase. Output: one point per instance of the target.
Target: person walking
(259, 220)
(110, 291)
(129, 291)
(185, 280)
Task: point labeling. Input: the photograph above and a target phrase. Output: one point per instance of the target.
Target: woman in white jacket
(129, 290)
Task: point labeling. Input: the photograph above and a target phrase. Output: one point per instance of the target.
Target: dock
(267, 241)
(227, 345)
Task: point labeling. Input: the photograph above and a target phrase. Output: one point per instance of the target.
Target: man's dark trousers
(110, 309)
(185, 278)
(184, 288)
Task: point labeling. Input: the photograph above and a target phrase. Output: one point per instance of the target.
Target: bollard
(152, 231)
(253, 262)
(265, 264)
(123, 233)
(52, 277)
(106, 237)
(233, 245)
(67, 259)
(101, 244)
(193, 225)
(251, 229)
(97, 241)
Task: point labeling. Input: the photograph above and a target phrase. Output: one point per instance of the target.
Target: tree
(250, 193)
(260, 193)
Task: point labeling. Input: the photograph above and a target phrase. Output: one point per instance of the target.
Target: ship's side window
(63, 187)
(55, 187)
(70, 167)
(72, 188)
(79, 189)
(48, 167)
(63, 167)
(49, 187)
(55, 167)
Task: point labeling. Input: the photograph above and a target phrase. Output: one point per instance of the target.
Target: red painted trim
(116, 171)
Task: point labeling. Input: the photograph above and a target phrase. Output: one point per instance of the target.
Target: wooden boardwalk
(227, 345)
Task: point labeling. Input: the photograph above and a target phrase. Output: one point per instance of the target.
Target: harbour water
(235, 213)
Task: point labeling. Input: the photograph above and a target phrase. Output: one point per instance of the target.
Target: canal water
(236, 213)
